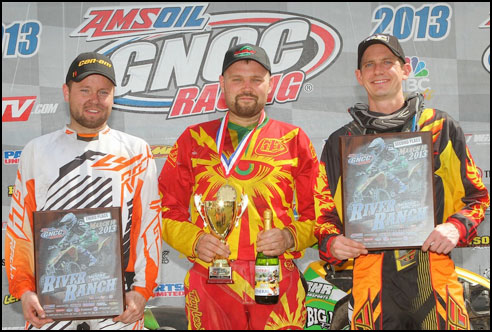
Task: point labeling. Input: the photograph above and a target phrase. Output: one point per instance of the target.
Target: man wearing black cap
(252, 155)
(405, 289)
(87, 165)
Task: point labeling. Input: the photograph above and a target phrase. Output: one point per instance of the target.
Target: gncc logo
(168, 58)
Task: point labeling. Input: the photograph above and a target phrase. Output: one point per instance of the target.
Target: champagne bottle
(267, 272)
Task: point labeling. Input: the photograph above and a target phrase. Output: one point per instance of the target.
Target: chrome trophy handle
(243, 204)
(199, 205)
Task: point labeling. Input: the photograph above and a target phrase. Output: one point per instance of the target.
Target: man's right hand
(33, 312)
(344, 248)
(208, 246)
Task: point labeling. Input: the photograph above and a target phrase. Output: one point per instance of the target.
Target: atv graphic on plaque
(388, 195)
(78, 262)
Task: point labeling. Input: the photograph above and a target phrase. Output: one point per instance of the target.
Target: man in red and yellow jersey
(275, 165)
(405, 289)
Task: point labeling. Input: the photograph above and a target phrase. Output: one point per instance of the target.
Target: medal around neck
(222, 214)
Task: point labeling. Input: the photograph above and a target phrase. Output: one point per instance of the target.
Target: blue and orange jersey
(278, 170)
(63, 170)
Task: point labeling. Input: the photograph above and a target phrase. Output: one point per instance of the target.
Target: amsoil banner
(168, 58)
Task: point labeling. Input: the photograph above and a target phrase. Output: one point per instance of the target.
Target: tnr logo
(17, 108)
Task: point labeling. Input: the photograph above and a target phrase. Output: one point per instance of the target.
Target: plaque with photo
(388, 193)
(78, 263)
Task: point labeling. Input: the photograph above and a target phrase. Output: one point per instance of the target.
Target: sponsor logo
(169, 290)
(45, 109)
(318, 317)
(245, 51)
(11, 157)
(10, 189)
(480, 241)
(168, 58)
(271, 147)
(9, 299)
(52, 233)
(378, 37)
(320, 289)
(17, 108)
(360, 159)
(418, 81)
(20, 108)
(477, 138)
(160, 151)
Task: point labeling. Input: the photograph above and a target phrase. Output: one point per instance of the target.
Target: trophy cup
(222, 215)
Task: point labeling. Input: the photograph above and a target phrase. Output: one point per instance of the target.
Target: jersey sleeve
(329, 224)
(19, 247)
(176, 183)
(461, 196)
(147, 220)
(312, 194)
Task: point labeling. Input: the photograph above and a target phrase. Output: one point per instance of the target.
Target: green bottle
(267, 271)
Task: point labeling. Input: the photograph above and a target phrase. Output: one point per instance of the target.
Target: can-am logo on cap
(168, 58)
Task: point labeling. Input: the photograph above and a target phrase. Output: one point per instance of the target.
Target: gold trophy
(221, 214)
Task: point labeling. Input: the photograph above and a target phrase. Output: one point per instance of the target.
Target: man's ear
(66, 92)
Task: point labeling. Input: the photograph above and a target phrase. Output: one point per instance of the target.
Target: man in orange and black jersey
(405, 289)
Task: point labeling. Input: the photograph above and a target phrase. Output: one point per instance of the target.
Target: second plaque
(388, 196)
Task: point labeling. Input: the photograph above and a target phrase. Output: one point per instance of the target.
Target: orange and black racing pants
(407, 289)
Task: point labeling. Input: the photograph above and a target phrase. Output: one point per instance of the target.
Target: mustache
(91, 106)
(247, 95)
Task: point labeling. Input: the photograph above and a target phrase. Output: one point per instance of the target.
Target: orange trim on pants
(416, 291)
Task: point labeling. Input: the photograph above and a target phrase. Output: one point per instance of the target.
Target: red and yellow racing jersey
(278, 167)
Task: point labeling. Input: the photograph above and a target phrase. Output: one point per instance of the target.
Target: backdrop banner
(168, 58)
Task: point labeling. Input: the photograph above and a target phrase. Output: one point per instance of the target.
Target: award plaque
(388, 195)
(221, 214)
(78, 263)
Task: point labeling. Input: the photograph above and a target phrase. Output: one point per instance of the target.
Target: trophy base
(219, 275)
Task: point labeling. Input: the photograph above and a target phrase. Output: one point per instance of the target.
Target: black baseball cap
(246, 52)
(389, 41)
(89, 63)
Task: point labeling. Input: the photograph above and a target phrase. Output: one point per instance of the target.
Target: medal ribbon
(230, 164)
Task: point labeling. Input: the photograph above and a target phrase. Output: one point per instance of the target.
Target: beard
(247, 110)
(90, 123)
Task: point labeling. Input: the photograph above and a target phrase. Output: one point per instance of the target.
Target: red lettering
(221, 103)
(271, 95)
(98, 23)
(184, 102)
(144, 15)
(290, 87)
(206, 101)
(17, 108)
(121, 21)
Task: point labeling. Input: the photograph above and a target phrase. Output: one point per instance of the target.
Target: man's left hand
(274, 242)
(135, 306)
(443, 239)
